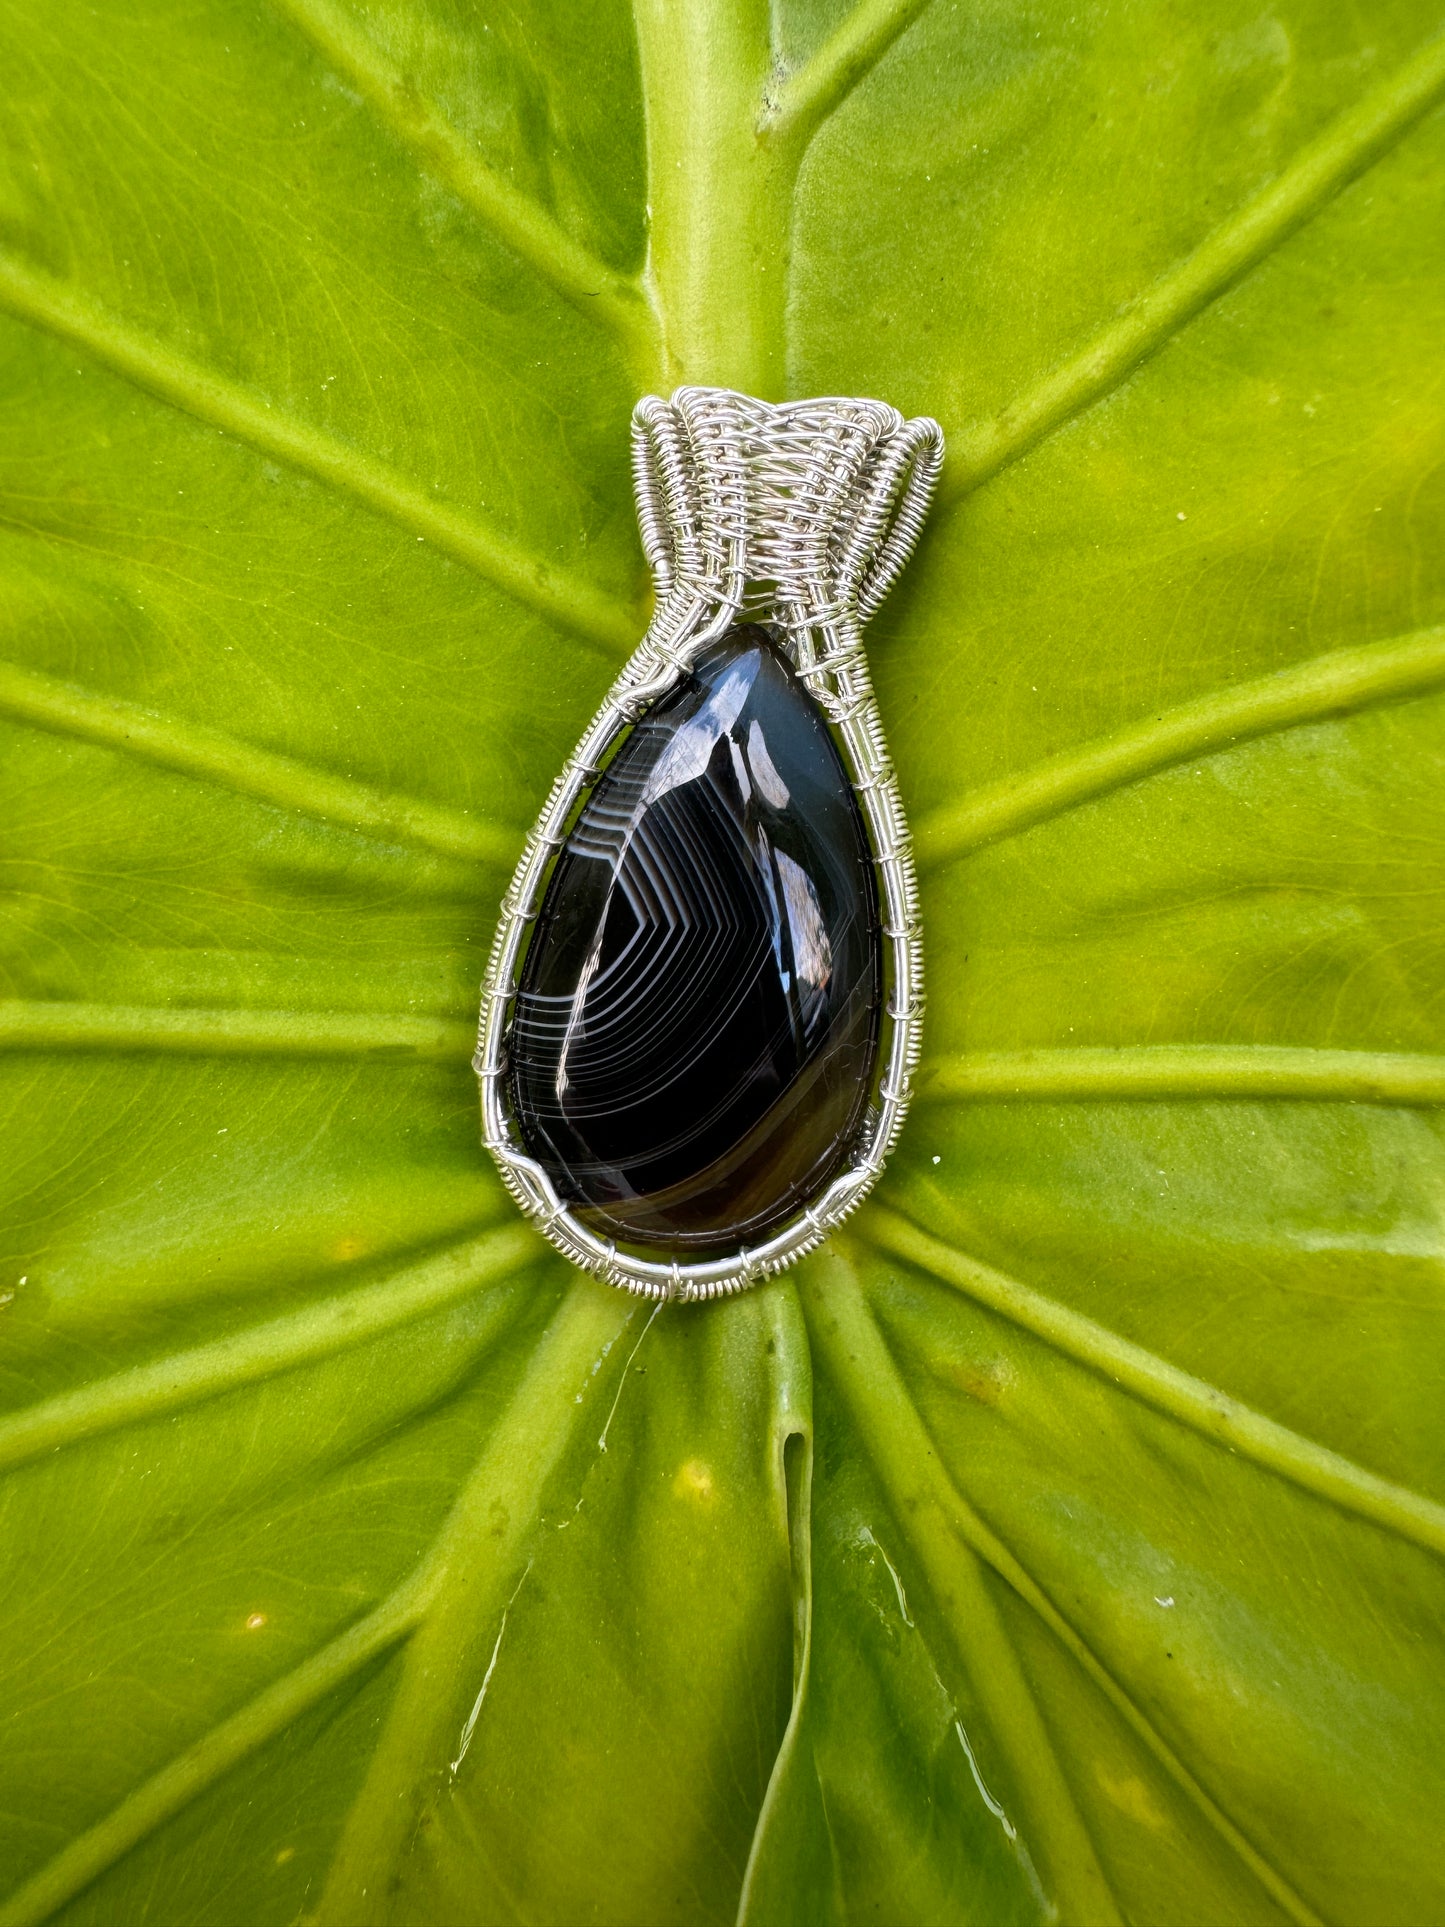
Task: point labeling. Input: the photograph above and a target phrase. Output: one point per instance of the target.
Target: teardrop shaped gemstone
(697, 1018)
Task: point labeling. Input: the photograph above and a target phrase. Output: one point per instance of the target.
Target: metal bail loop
(800, 515)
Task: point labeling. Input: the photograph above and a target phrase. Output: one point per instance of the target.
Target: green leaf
(1063, 1544)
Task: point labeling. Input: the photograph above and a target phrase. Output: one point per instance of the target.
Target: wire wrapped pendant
(702, 1010)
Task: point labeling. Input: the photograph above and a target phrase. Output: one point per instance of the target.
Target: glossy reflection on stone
(697, 1019)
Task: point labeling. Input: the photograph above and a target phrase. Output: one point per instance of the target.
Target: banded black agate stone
(697, 1018)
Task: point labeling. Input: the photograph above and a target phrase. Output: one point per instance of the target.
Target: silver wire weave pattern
(800, 515)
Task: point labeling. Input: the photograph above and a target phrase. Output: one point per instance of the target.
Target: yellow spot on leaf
(1131, 1796)
(345, 1249)
(255, 1622)
(694, 1481)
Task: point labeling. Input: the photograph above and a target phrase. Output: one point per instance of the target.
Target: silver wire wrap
(801, 515)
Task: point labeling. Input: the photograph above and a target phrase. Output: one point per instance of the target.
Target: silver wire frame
(800, 515)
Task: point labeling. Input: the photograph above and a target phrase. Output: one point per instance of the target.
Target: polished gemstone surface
(698, 1013)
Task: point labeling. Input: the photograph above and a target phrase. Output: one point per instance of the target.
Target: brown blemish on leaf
(988, 1382)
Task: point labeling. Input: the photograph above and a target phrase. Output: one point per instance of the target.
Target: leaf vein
(1189, 1071)
(802, 102)
(289, 782)
(187, 1776)
(1178, 1394)
(925, 1497)
(1320, 171)
(230, 1031)
(595, 289)
(588, 1320)
(336, 1324)
(1335, 684)
(475, 1564)
(52, 306)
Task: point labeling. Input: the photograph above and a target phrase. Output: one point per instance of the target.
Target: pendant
(701, 1012)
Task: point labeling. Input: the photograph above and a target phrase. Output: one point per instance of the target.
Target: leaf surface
(1063, 1543)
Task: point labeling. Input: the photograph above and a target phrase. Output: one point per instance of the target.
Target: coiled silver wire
(801, 515)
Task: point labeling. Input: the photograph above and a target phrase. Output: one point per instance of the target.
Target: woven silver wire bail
(812, 509)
